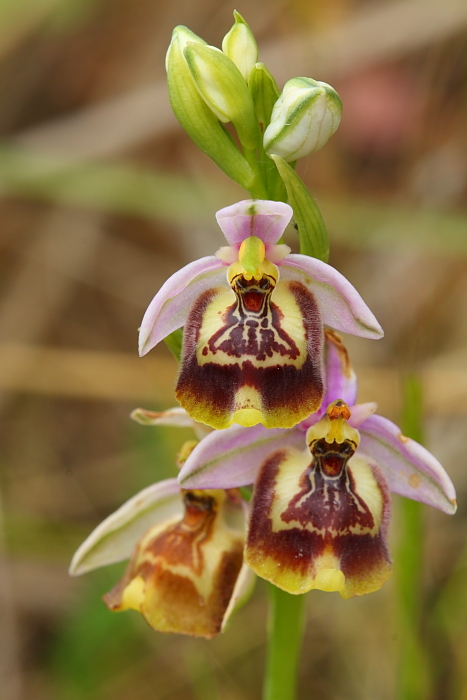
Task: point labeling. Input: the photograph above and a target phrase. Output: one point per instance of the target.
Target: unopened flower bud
(304, 117)
(223, 89)
(240, 46)
(196, 116)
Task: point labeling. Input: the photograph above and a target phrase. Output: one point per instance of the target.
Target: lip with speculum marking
(186, 571)
(320, 509)
(253, 317)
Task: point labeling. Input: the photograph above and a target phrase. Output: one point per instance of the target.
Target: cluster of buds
(264, 381)
(209, 88)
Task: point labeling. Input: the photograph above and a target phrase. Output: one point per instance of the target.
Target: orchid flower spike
(186, 571)
(321, 508)
(253, 318)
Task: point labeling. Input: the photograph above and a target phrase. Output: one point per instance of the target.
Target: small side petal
(254, 217)
(341, 305)
(173, 416)
(171, 305)
(114, 539)
(177, 417)
(361, 412)
(229, 458)
(228, 254)
(276, 253)
(409, 468)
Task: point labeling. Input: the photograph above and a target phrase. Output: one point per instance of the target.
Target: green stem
(258, 187)
(285, 631)
(413, 678)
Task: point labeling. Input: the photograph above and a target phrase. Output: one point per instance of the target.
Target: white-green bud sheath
(304, 117)
(240, 46)
(224, 90)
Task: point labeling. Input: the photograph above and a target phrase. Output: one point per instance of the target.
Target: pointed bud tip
(240, 46)
(238, 17)
(181, 35)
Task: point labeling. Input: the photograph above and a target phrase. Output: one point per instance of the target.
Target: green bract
(240, 46)
(311, 227)
(306, 114)
(264, 91)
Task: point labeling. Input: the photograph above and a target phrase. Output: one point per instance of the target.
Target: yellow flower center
(252, 263)
(333, 427)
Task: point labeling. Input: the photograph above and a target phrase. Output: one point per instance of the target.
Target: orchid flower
(253, 318)
(186, 571)
(321, 508)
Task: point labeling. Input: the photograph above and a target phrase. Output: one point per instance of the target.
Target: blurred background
(102, 197)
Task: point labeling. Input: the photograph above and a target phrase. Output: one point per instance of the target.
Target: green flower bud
(224, 90)
(195, 116)
(240, 46)
(304, 117)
